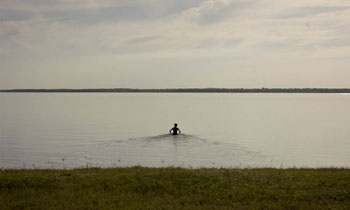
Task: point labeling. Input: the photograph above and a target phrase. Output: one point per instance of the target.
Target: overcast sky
(174, 43)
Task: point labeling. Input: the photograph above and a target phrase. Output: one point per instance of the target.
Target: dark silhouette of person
(175, 130)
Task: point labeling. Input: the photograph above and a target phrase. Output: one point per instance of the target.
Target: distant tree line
(188, 90)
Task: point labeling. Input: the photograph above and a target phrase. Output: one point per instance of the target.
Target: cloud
(309, 11)
(125, 26)
(212, 11)
(78, 32)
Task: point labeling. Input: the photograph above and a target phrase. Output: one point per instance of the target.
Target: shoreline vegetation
(175, 188)
(185, 90)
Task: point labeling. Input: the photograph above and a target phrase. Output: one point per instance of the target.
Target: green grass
(175, 188)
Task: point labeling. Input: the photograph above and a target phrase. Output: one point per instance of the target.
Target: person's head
(175, 125)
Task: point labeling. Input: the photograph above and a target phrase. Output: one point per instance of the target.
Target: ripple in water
(167, 150)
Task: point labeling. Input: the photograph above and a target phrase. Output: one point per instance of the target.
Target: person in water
(175, 130)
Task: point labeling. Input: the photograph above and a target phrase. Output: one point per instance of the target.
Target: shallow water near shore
(69, 130)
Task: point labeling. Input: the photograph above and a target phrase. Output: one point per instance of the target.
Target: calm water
(60, 130)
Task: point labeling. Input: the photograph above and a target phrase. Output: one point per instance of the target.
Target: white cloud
(187, 31)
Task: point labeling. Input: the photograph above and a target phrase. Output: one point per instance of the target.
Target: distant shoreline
(185, 90)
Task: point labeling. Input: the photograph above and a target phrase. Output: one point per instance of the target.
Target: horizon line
(187, 90)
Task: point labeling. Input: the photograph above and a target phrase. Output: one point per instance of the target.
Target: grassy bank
(175, 188)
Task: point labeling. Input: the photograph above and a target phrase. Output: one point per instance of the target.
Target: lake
(74, 130)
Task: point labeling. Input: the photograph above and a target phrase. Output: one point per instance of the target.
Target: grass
(175, 188)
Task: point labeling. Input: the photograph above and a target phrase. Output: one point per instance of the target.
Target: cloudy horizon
(174, 44)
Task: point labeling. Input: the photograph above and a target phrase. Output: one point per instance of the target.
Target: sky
(174, 43)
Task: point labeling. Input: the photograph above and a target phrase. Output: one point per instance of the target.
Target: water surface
(65, 130)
